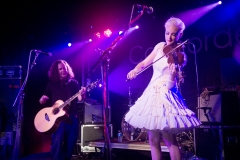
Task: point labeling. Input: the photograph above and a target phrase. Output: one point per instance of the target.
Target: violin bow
(145, 68)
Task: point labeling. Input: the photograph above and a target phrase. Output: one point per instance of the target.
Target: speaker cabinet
(206, 143)
(93, 132)
(9, 89)
(231, 143)
(93, 113)
(224, 106)
(90, 113)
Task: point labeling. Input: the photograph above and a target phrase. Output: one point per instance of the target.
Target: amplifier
(93, 113)
(214, 102)
(231, 143)
(93, 132)
(224, 108)
(6, 138)
(10, 72)
(9, 89)
(207, 142)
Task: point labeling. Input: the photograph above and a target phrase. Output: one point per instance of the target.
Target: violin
(174, 52)
(175, 55)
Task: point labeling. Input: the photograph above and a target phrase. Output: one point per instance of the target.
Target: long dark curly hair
(53, 71)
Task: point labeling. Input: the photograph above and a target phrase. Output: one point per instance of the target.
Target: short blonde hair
(176, 22)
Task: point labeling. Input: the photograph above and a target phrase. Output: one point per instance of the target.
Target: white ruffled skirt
(161, 108)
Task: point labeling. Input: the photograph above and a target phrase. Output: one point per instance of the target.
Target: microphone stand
(104, 61)
(219, 146)
(20, 97)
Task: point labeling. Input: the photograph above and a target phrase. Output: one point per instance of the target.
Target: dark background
(50, 25)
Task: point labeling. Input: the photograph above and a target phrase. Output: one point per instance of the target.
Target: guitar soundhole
(47, 117)
(55, 110)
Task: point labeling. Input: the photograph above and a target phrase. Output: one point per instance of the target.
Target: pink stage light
(98, 35)
(108, 33)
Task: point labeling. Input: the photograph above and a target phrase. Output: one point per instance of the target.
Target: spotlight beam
(191, 16)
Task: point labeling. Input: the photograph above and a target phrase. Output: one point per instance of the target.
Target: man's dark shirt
(63, 90)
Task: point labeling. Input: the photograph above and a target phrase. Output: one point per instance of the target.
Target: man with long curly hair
(62, 86)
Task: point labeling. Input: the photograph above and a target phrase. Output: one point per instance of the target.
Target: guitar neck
(88, 87)
(69, 100)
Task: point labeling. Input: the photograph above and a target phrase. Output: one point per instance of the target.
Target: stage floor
(125, 144)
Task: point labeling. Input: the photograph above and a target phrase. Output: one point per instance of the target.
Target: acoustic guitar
(48, 119)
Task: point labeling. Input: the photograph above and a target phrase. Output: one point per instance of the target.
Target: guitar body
(46, 121)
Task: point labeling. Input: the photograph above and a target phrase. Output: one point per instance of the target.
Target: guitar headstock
(93, 85)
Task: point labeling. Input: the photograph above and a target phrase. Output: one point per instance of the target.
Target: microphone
(148, 9)
(41, 52)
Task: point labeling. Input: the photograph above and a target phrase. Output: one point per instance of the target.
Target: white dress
(161, 108)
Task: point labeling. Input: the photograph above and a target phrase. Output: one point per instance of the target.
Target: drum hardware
(129, 97)
(129, 132)
(186, 141)
(186, 144)
(133, 134)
